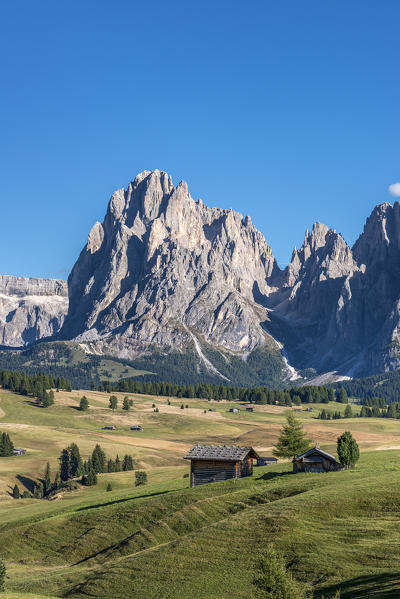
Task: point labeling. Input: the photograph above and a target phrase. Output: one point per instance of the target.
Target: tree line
(256, 395)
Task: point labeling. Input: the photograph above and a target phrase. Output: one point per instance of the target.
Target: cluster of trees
(36, 385)
(72, 467)
(293, 442)
(127, 403)
(327, 415)
(32, 384)
(6, 445)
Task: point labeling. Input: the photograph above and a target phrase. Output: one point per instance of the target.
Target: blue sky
(288, 111)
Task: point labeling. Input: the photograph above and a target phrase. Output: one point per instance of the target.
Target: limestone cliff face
(30, 309)
(164, 270)
(339, 309)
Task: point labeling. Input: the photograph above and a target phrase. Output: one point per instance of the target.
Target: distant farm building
(234, 410)
(250, 409)
(109, 427)
(212, 410)
(266, 461)
(19, 451)
(309, 409)
(136, 427)
(214, 463)
(315, 460)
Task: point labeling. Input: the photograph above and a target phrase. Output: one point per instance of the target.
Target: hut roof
(224, 453)
(306, 456)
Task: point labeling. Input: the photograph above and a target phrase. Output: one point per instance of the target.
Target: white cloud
(394, 189)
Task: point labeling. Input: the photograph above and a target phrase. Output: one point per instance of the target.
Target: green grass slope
(337, 530)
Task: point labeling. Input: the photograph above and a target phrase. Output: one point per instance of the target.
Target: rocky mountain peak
(161, 258)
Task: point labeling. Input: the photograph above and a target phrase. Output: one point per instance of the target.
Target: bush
(274, 581)
(140, 478)
(84, 404)
(26, 495)
(109, 487)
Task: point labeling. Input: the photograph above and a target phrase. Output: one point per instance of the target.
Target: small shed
(264, 461)
(109, 427)
(136, 427)
(19, 451)
(214, 463)
(309, 409)
(249, 409)
(234, 410)
(316, 460)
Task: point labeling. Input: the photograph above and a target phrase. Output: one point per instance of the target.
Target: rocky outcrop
(30, 309)
(338, 308)
(163, 268)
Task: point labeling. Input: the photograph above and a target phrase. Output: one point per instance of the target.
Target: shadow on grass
(107, 503)
(379, 586)
(272, 475)
(28, 483)
(30, 402)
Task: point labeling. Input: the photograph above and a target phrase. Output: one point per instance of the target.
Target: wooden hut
(267, 461)
(315, 460)
(213, 463)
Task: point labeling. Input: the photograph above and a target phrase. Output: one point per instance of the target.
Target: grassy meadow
(165, 540)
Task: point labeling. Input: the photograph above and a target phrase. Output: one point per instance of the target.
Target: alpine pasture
(165, 540)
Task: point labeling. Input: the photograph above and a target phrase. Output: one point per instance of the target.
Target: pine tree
(126, 404)
(110, 466)
(342, 396)
(347, 450)
(2, 576)
(348, 413)
(75, 461)
(98, 460)
(57, 481)
(26, 495)
(274, 581)
(89, 479)
(117, 464)
(16, 492)
(109, 487)
(64, 465)
(47, 487)
(6, 446)
(113, 402)
(292, 440)
(38, 491)
(127, 463)
(84, 404)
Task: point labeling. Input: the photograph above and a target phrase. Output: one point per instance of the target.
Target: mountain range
(186, 290)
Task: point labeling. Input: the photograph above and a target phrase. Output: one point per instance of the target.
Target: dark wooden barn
(213, 463)
(315, 460)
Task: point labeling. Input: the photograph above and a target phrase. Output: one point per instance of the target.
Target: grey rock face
(338, 309)
(30, 309)
(163, 267)
(166, 272)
